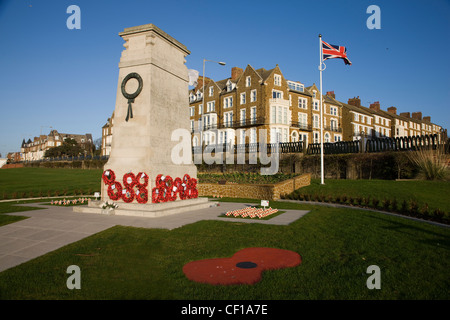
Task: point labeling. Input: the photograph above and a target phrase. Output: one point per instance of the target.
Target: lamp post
(203, 98)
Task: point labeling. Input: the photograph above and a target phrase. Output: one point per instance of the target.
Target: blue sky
(67, 79)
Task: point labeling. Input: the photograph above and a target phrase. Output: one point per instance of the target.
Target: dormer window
(230, 86)
(199, 95)
(191, 97)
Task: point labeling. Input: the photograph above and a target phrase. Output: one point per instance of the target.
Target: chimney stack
(236, 72)
(417, 115)
(200, 82)
(392, 110)
(355, 102)
(375, 106)
(405, 114)
(331, 94)
(427, 119)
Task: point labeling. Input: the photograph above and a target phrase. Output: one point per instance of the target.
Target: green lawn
(43, 182)
(337, 246)
(434, 193)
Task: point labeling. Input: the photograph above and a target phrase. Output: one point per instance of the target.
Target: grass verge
(337, 246)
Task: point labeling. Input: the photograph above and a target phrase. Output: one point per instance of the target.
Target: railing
(334, 147)
(301, 125)
(380, 145)
(76, 158)
(283, 147)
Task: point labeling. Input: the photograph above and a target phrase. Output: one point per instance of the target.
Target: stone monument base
(151, 210)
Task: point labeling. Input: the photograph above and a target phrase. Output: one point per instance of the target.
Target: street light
(203, 98)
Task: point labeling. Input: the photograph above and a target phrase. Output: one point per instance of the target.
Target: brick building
(235, 109)
(33, 150)
(107, 131)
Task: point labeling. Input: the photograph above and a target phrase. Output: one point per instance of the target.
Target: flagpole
(321, 113)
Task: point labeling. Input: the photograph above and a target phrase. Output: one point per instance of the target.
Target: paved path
(53, 227)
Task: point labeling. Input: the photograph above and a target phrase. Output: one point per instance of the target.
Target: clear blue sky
(67, 79)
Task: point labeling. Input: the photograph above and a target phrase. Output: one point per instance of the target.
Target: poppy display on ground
(244, 267)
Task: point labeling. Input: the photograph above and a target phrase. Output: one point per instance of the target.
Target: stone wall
(254, 191)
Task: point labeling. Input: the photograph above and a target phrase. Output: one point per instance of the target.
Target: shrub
(359, 201)
(386, 204)
(432, 164)
(344, 199)
(404, 207)
(394, 205)
(375, 203)
(413, 208)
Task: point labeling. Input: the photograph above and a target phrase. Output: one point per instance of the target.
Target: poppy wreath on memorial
(129, 181)
(109, 177)
(141, 193)
(114, 190)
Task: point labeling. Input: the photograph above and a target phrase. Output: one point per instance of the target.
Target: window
(337, 138)
(228, 119)
(314, 93)
(327, 137)
(277, 80)
(302, 103)
(316, 137)
(248, 81)
(273, 114)
(243, 115)
(296, 86)
(191, 111)
(200, 109)
(253, 135)
(253, 95)
(285, 117)
(228, 102)
(277, 94)
(192, 125)
(333, 111)
(211, 91)
(316, 105)
(253, 115)
(211, 106)
(356, 117)
(303, 120)
(242, 138)
(315, 121)
(333, 125)
(243, 98)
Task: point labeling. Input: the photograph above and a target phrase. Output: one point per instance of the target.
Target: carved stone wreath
(131, 96)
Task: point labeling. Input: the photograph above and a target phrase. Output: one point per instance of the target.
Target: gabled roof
(355, 108)
(264, 74)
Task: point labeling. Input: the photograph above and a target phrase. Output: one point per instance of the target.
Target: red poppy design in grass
(244, 267)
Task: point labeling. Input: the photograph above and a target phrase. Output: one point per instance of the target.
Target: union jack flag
(330, 51)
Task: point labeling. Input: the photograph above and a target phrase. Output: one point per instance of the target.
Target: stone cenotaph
(140, 176)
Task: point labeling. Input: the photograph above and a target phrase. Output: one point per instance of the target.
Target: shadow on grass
(411, 230)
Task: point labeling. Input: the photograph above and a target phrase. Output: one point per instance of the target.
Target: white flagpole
(321, 113)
